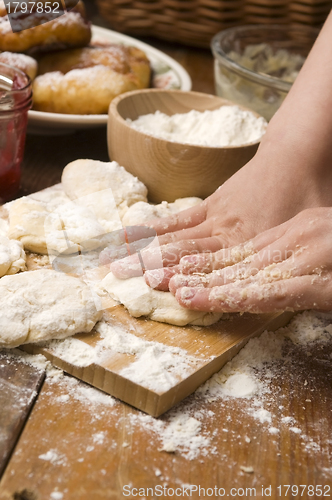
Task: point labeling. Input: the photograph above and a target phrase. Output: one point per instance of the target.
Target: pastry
(68, 30)
(23, 62)
(84, 81)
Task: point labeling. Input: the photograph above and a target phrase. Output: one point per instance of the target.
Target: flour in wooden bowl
(226, 126)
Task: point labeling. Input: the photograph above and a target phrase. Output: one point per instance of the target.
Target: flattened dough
(141, 300)
(142, 212)
(12, 256)
(106, 186)
(44, 305)
(47, 228)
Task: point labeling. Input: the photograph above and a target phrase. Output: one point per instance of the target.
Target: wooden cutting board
(211, 347)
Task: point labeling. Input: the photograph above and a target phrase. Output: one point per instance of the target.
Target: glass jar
(15, 101)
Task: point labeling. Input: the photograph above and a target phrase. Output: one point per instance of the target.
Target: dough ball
(184, 203)
(44, 305)
(141, 300)
(105, 188)
(12, 256)
(45, 228)
(141, 212)
(54, 196)
(4, 227)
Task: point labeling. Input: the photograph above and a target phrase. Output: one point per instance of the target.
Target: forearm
(302, 128)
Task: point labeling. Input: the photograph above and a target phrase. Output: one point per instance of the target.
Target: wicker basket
(194, 22)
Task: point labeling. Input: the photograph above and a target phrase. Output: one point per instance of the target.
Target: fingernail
(188, 259)
(189, 262)
(154, 277)
(187, 294)
(127, 268)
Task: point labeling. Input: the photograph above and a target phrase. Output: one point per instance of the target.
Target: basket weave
(194, 22)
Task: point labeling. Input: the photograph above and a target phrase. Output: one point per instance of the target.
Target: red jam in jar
(15, 101)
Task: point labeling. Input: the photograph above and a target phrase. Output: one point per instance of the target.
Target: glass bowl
(256, 65)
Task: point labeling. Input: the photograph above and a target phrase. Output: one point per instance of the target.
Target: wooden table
(57, 444)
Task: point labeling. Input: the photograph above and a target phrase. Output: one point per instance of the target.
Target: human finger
(161, 256)
(301, 262)
(188, 280)
(199, 231)
(284, 258)
(225, 276)
(187, 218)
(159, 278)
(125, 241)
(206, 263)
(299, 293)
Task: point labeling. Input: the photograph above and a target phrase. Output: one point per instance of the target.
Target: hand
(288, 267)
(259, 196)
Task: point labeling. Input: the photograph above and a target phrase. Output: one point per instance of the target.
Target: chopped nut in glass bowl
(256, 65)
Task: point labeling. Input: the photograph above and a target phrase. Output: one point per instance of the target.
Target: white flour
(226, 126)
(156, 366)
(246, 385)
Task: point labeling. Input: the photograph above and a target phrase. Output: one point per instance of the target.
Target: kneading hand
(286, 267)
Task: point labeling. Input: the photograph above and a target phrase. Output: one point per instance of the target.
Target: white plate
(167, 74)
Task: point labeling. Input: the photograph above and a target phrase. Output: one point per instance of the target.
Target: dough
(12, 256)
(53, 196)
(44, 305)
(106, 188)
(141, 300)
(4, 226)
(142, 212)
(48, 228)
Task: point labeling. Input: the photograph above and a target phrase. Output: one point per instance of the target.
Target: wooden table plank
(87, 450)
(19, 385)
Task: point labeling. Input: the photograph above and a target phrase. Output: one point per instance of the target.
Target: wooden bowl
(171, 170)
